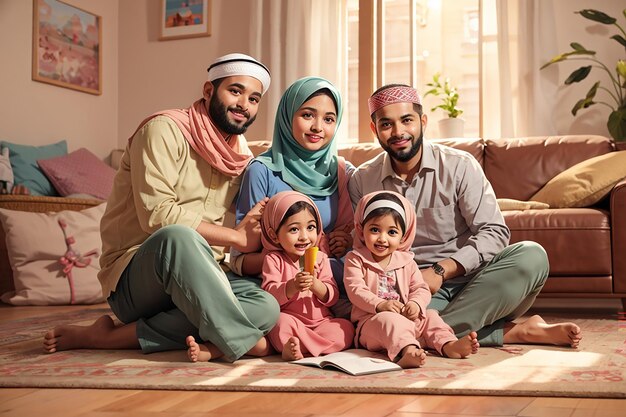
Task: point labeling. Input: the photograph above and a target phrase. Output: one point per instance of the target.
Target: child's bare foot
(262, 348)
(197, 352)
(291, 349)
(462, 347)
(412, 357)
(77, 337)
(536, 330)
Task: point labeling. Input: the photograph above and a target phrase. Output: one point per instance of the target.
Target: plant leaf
(578, 75)
(592, 91)
(621, 68)
(617, 124)
(620, 39)
(582, 104)
(577, 47)
(597, 16)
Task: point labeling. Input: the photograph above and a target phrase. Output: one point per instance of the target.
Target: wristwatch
(439, 270)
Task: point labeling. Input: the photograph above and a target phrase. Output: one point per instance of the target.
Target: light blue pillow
(25, 169)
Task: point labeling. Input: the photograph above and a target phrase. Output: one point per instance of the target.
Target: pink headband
(395, 94)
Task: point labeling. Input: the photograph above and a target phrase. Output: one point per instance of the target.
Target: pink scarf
(273, 214)
(204, 138)
(403, 254)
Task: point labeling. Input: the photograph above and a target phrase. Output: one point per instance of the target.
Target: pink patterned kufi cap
(391, 95)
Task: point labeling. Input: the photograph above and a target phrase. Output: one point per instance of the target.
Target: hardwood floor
(116, 403)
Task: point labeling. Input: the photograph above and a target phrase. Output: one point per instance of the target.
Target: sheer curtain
(518, 99)
(298, 39)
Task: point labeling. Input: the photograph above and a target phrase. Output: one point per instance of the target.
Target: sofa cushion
(506, 204)
(577, 240)
(518, 168)
(36, 245)
(79, 172)
(25, 169)
(585, 183)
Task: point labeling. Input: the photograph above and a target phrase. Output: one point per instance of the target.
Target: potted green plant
(452, 126)
(616, 91)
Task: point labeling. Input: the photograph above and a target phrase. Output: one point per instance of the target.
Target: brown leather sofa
(586, 246)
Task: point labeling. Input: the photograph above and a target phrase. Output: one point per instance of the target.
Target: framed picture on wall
(67, 46)
(185, 19)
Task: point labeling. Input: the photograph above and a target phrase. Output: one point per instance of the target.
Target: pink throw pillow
(79, 172)
(54, 256)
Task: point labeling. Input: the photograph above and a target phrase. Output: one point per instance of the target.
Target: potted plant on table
(616, 91)
(452, 126)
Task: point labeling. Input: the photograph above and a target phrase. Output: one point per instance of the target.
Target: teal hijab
(313, 173)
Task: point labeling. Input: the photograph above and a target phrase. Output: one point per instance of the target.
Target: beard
(405, 155)
(218, 112)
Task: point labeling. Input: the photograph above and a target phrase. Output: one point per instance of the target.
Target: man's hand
(390, 305)
(248, 231)
(432, 279)
(411, 310)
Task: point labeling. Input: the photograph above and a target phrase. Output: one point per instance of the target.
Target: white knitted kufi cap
(239, 64)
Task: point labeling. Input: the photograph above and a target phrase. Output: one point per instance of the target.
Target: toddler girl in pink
(290, 224)
(388, 295)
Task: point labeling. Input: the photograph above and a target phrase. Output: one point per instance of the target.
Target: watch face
(438, 269)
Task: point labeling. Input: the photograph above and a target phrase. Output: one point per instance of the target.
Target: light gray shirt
(457, 213)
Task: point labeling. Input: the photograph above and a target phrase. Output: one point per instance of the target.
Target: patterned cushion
(79, 172)
(54, 256)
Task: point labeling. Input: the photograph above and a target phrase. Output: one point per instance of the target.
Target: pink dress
(387, 330)
(304, 315)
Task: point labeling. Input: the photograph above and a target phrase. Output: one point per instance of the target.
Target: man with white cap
(478, 282)
(163, 236)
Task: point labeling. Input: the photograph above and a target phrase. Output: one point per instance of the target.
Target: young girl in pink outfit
(388, 295)
(290, 224)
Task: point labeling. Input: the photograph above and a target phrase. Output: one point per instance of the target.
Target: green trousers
(501, 292)
(173, 288)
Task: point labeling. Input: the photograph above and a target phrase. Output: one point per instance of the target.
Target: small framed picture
(67, 46)
(185, 19)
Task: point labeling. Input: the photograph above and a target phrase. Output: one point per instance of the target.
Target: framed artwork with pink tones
(67, 46)
(185, 19)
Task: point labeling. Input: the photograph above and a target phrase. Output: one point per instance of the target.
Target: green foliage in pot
(449, 96)
(616, 91)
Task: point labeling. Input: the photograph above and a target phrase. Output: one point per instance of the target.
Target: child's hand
(303, 281)
(411, 310)
(390, 305)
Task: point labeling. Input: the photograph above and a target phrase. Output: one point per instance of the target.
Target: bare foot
(291, 349)
(77, 337)
(262, 348)
(412, 357)
(462, 347)
(197, 352)
(536, 330)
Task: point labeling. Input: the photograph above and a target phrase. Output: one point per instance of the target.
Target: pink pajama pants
(332, 335)
(393, 332)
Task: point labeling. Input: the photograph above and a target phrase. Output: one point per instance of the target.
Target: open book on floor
(353, 362)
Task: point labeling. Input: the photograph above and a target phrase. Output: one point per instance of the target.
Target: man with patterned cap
(163, 236)
(479, 282)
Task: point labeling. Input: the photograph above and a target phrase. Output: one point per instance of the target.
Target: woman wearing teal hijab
(303, 157)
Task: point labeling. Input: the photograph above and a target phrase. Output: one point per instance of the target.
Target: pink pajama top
(278, 269)
(361, 277)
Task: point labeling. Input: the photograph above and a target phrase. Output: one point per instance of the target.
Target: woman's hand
(340, 241)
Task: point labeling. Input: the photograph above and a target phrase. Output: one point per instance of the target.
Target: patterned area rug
(596, 369)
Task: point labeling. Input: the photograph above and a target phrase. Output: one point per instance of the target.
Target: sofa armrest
(618, 238)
